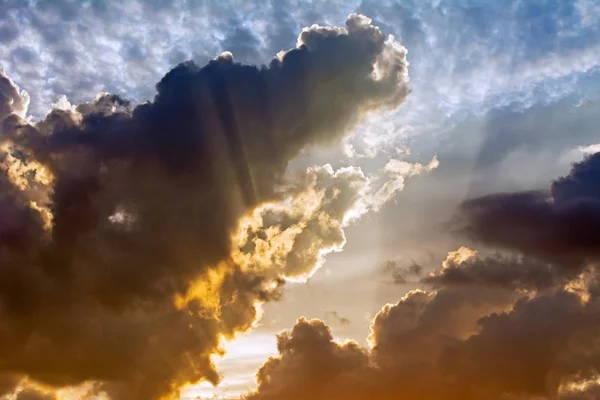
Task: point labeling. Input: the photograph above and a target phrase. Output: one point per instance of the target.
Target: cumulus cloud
(532, 53)
(461, 342)
(309, 362)
(121, 254)
(591, 149)
(519, 324)
(12, 98)
(403, 361)
(79, 48)
(291, 238)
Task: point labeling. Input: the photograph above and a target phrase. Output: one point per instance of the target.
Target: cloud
(583, 391)
(529, 55)
(292, 239)
(117, 250)
(522, 321)
(558, 225)
(309, 362)
(591, 149)
(464, 341)
(402, 360)
(504, 152)
(12, 99)
(528, 48)
(32, 394)
(518, 324)
(99, 41)
(532, 54)
(514, 272)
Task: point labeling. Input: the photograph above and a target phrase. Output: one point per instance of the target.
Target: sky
(264, 200)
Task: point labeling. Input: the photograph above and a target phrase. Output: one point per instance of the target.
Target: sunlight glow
(243, 357)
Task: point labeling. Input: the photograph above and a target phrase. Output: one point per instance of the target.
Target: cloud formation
(117, 223)
(292, 238)
(461, 342)
(12, 99)
(558, 225)
(515, 272)
(518, 324)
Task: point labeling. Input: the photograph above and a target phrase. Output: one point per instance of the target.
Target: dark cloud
(558, 225)
(503, 271)
(117, 224)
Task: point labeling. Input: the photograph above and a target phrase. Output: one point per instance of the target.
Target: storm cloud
(118, 225)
